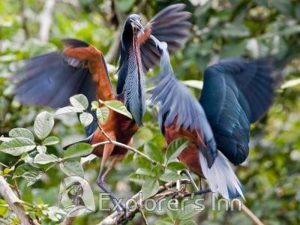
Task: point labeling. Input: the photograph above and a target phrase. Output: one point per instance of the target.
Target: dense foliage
(34, 162)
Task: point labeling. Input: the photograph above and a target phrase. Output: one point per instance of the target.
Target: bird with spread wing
(51, 79)
(236, 93)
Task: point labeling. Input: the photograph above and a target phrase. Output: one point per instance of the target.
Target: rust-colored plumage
(51, 79)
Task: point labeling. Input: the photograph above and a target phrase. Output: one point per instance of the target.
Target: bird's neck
(97, 67)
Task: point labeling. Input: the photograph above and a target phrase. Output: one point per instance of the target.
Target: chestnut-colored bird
(51, 79)
(236, 93)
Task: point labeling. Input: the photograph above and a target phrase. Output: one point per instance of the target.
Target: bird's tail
(221, 177)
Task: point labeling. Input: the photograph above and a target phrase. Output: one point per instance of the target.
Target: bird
(236, 93)
(51, 79)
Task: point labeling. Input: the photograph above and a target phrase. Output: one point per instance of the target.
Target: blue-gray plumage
(177, 104)
(181, 115)
(171, 26)
(130, 75)
(51, 79)
(236, 92)
(138, 52)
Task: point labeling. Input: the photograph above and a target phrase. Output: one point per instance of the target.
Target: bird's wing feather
(171, 26)
(236, 92)
(177, 104)
(51, 79)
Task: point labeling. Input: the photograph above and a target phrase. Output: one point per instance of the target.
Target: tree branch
(68, 221)
(113, 50)
(250, 214)
(163, 192)
(46, 20)
(127, 147)
(15, 203)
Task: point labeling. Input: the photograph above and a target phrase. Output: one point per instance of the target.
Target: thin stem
(250, 214)
(2, 221)
(2, 164)
(15, 204)
(143, 216)
(117, 218)
(127, 147)
(103, 132)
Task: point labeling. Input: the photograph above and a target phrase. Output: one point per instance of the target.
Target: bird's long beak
(138, 26)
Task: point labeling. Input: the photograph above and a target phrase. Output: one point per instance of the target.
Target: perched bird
(236, 93)
(139, 53)
(51, 79)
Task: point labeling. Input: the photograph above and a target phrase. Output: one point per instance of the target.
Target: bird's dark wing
(177, 104)
(51, 79)
(171, 26)
(236, 92)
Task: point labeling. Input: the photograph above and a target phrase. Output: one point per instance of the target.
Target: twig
(2, 221)
(249, 213)
(15, 203)
(113, 50)
(24, 20)
(68, 221)
(46, 20)
(2, 164)
(121, 217)
(127, 147)
(143, 216)
(103, 132)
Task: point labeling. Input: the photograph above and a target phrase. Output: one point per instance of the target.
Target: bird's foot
(115, 201)
(189, 176)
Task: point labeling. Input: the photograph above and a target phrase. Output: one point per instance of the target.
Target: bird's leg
(102, 184)
(108, 148)
(189, 176)
(198, 191)
(200, 186)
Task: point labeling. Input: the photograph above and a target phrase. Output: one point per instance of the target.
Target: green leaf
(142, 136)
(95, 105)
(51, 140)
(138, 178)
(29, 173)
(72, 167)
(170, 176)
(154, 152)
(144, 172)
(117, 106)
(175, 166)
(78, 150)
(174, 149)
(283, 6)
(41, 149)
(80, 102)
(291, 83)
(102, 114)
(43, 159)
(150, 188)
(17, 146)
(43, 124)
(21, 132)
(188, 213)
(5, 139)
(231, 30)
(86, 118)
(66, 110)
(124, 5)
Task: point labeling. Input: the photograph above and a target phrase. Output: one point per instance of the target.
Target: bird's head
(135, 23)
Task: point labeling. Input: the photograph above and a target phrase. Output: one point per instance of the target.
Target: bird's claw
(189, 176)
